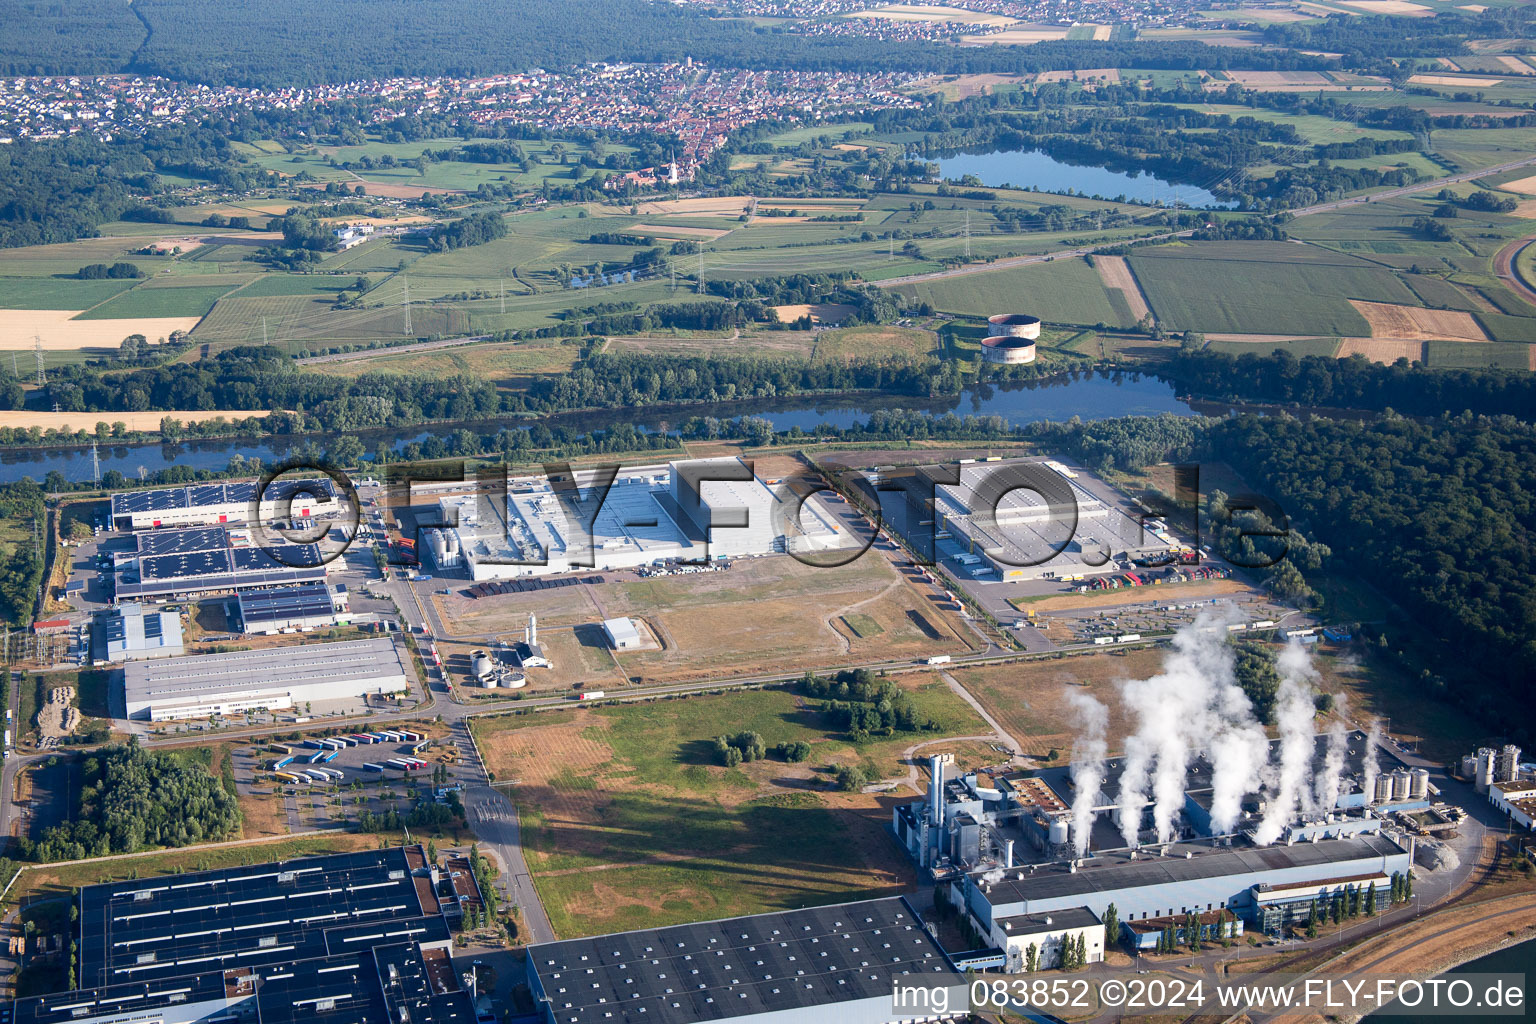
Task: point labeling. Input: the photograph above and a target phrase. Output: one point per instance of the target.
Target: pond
(1086, 395)
(1037, 169)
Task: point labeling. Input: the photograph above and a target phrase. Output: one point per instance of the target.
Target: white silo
(1383, 790)
(1418, 784)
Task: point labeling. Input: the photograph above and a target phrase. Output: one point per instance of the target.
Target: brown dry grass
(1029, 699)
(1414, 323)
(731, 206)
(22, 329)
(797, 344)
(146, 421)
(1138, 595)
(677, 231)
(1115, 272)
(1382, 350)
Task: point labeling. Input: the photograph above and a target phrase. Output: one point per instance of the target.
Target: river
(1035, 168)
(1086, 395)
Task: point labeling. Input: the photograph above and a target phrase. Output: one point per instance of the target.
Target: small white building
(1516, 799)
(1049, 934)
(128, 632)
(622, 634)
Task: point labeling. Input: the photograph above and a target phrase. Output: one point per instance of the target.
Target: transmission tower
(701, 270)
(967, 234)
(405, 301)
(95, 465)
(38, 349)
(263, 331)
(503, 295)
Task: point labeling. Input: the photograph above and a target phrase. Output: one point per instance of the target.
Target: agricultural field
(161, 300)
(56, 293)
(508, 364)
(1062, 291)
(847, 344)
(629, 820)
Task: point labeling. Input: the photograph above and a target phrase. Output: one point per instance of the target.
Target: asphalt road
(1504, 266)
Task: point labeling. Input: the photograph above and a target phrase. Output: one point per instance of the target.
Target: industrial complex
(211, 503)
(353, 938)
(200, 686)
(693, 511)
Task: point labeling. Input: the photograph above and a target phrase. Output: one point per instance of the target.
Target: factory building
(1267, 886)
(1004, 818)
(129, 631)
(622, 634)
(1517, 800)
(201, 686)
(213, 503)
(303, 606)
(841, 964)
(181, 563)
(351, 938)
(1488, 766)
(1014, 519)
(698, 510)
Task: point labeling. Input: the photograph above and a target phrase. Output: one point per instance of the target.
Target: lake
(1035, 168)
(1086, 395)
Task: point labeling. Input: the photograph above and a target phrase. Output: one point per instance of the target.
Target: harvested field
(853, 343)
(729, 206)
(1116, 275)
(59, 330)
(925, 12)
(1525, 186)
(671, 231)
(1413, 323)
(797, 344)
(1017, 36)
(1382, 350)
(1388, 7)
(1261, 79)
(146, 421)
(823, 313)
(1514, 64)
(630, 819)
(1462, 80)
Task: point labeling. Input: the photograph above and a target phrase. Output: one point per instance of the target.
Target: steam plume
(1332, 780)
(1372, 767)
(1294, 711)
(1088, 751)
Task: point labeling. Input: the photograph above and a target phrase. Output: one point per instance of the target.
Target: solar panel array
(747, 965)
(282, 604)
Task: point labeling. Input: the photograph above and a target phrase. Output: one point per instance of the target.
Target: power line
(38, 349)
(406, 301)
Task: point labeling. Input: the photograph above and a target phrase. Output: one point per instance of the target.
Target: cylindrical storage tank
(515, 682)
(481, 665)
(1469, 766)
(1007, 349)
(1061, 833)
(1383, 793)
(1400, 785)
(1014, 325)
(1418, 784)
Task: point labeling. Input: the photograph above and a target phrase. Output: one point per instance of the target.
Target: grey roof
(1113, 873)
(281, 604)
(205, 677)
(741, 966)
(1033, 924)
(129, 629)
(284, 912)
(212, 494)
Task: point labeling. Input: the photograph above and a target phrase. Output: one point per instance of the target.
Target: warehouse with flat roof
(350, 938)
(130, 631)
(206, 559)
(201, 686)
(837, 964)
(209, 503)
(303, 606)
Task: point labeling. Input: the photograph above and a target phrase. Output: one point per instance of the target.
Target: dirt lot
(1115, 272)
(1029, 699)
(1382, 350)
(771, 611)
(1415, 324)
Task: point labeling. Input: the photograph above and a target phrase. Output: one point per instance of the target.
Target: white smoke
(1331, 782)
(1194, 706)
(1372, 767)
(992, 877)
(1294, 712)
(1088, 753)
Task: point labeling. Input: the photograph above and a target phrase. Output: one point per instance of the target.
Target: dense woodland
(131, 799)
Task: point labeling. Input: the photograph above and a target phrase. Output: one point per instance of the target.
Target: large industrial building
(821, 965)
(303, 606)
(1014, 519)
(351, 938)
(168, 564)
(213, 503)
(650, 515)
(131, 631)
(202, 686)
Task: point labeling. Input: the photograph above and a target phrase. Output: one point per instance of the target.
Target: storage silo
(482, 665)
(1060, 832)
(1400, 785)
(1014, 325)
(1007, 349)
(1383, 790)
(1418, 784)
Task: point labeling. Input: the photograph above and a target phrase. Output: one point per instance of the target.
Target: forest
(242, 42)
(132, 799)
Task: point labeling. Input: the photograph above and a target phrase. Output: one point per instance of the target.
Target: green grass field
(1261, 288)
(1062, 291)
(160, 301)
(56, 293)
